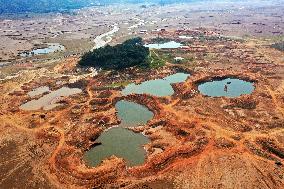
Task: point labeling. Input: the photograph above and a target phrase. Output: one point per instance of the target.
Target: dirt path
(99, 42)
(61, 142)
(275, 100)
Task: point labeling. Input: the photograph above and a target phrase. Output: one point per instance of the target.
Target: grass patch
(155, 61)
(119, 84)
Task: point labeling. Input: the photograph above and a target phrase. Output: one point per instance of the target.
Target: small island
(128, 54)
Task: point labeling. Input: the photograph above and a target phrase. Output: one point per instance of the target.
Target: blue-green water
(176, 78)
(168, 45)
(235, 88)
(52, 47)
(157, 87)
(120, 141)
(132, 114)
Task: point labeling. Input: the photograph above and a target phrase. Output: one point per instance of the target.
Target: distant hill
(22, 6)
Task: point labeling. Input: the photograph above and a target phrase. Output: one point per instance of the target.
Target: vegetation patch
(279, 46)
(155, 61)
(119, 84)
(160, 40)
(269, 145)
(128, 54)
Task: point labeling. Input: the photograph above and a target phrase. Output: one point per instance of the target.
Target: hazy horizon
(43, 6)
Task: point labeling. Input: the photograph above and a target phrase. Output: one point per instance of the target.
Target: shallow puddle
(157, 87)
(50, 100)
(52, 47)
(226, 87)
(38, 91)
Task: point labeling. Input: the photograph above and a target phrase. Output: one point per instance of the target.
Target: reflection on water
(132, 114)
(157, 87)
(226, 87)
(168, 45)
(120, 141)
(52, 47)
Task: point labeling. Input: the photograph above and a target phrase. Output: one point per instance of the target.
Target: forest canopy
(128, 54)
